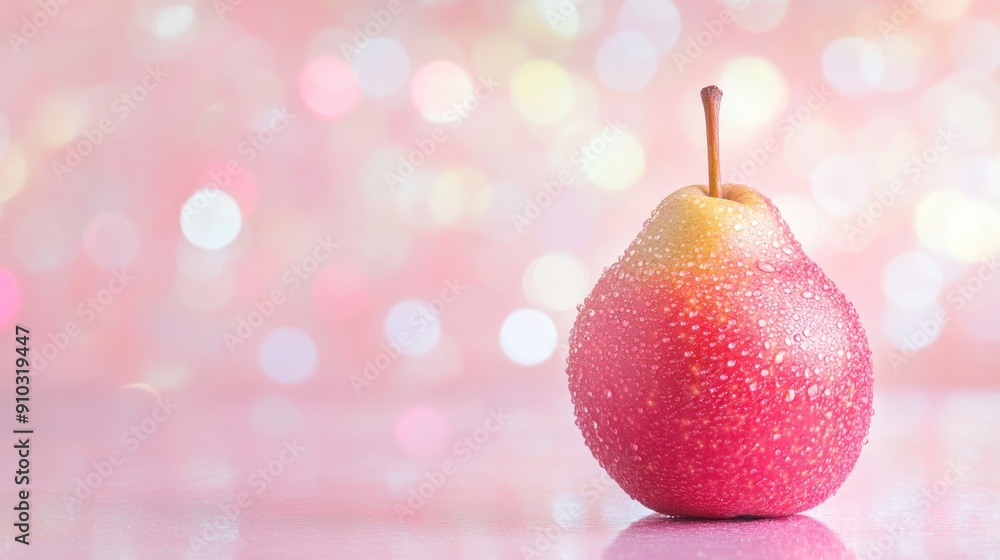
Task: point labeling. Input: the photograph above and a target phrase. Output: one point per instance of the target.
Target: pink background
(266, 310)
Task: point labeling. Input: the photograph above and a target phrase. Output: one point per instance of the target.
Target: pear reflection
(796, 537)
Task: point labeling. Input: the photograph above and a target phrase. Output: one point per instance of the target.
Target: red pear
(715, 370)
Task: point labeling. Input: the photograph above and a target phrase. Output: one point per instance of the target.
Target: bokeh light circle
(841, 185)
(757, 16)
(422, 432)
(211, 219)
(542, 91)
(657, 20)
(288, 355)
(955, 224)
(975, 46)
(174, 20)
(911, 329)
(813, 141)
(55, 119)
(980, 175)
(111, 240)
(459, 196)
(619, 165)
(413, 326)
(912, 280)
(626, 61)
(943, 10)
(439, 88)
(382, 68)
(903, 59)
(852, 65)
(328, 86)
(528, 337)
(558, 281)
(756, 91)
(972, 119)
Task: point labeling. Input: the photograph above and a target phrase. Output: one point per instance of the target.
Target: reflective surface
(293, 477)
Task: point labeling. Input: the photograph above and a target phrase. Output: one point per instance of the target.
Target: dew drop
(739, 226)
(766, 267)
(786, 250)
(761, 322)
(812, 390)
(731, 363)
(635, 447)
(779, 357)
(790, 396)
(807, 294)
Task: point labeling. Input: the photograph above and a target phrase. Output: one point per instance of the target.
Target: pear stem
(711, 98)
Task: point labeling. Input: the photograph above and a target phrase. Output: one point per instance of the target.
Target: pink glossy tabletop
(295, 476)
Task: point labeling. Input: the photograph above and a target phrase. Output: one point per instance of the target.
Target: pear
(715, 370)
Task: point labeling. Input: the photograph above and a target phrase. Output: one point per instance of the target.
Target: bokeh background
(367, 224)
